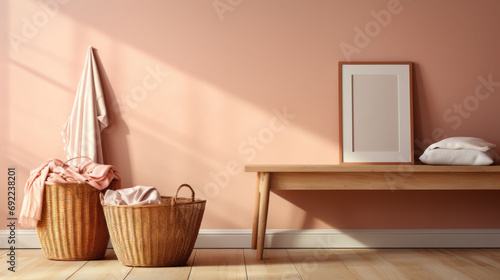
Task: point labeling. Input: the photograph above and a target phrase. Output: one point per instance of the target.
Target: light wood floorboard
(32, 264)
(420, 264)
(282, 264)
(471, 263)
(368, 264)
(315, 264)
(218, 264)
(276, 264)
(107, 268)
(167, 273)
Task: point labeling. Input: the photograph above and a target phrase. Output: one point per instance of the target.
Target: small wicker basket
(73, 226)
(155, 235)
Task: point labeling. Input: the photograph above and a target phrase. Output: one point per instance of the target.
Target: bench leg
(263, 208)
(256, 213)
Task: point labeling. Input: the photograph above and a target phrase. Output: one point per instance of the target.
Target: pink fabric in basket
(138, 195)
(55, 171)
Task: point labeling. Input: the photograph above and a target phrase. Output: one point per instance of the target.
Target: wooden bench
(361, 177)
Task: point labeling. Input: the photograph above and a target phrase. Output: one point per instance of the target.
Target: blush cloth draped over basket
(63, 202)
(158, 234)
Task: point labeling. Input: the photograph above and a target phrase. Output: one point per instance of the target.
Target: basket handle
(174, 201)
(65, 163)
(101, 198)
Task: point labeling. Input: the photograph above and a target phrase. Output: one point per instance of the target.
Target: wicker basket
(73, 226)
(155, 235)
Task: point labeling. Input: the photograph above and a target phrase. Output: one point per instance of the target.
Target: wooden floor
(317, 264)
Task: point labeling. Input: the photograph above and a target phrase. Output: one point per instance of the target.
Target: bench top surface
(367, 168)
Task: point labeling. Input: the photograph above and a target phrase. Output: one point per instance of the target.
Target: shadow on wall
(114, 140)
(4, 86)
(253, 64)
(385, 209)
(419, 107)
(13, 152)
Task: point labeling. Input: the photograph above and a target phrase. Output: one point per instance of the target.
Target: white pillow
(459, 157)
(471, 143)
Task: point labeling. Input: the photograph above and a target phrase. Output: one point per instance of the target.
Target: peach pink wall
(197, 89)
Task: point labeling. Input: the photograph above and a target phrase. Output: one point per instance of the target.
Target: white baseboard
(322, 238)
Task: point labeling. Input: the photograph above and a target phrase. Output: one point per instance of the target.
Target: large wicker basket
(73, 226)
(155, 235)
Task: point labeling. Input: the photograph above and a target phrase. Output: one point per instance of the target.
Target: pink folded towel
(55, 171)
(132, 196)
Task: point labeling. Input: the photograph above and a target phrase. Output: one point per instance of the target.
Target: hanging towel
(55, 171)
(132, 196)
(82, 131)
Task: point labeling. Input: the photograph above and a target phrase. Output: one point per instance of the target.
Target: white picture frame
(376, 114)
